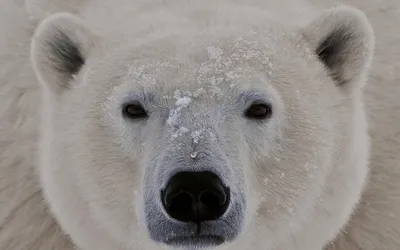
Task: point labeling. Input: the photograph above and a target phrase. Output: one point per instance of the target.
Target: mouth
(196, 241)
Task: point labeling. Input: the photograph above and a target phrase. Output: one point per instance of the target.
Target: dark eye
(134, 111)
(259, 111)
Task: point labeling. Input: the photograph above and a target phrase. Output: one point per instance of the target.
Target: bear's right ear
(59, 50)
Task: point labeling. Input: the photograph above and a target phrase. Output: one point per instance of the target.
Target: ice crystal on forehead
(196, 136)
(146, 71)
(181, 101)
(173, 118)
(181, 131)
(140, 74)
(184, 101)
(199, 92)
(214, 52)
(201, 133)
(232, 65)
(177, 94)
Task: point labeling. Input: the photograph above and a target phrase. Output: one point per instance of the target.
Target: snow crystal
(198, 92)
(184, 101)
(223, 67)
(196, 136)
(214, 52)
(217, 91)
(140, 74)
(188, 93)
(173, 116)
(177, 94)
(181, 131)
(193, 155)
(181, 102)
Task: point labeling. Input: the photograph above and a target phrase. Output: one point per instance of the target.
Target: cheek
(263, 156)
(285, 176)
(292, 182)
(110, 183)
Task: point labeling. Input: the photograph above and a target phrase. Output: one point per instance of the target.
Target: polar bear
(194, 125)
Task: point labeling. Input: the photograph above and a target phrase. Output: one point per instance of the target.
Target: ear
(59, 50)
(343, 40)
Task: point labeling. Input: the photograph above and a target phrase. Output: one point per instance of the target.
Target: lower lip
(199, 241)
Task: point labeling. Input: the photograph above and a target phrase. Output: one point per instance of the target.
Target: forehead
(213, 68)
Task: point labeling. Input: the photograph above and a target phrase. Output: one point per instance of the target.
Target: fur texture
(309, 178)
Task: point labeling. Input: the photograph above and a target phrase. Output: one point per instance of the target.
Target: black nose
(195, 196)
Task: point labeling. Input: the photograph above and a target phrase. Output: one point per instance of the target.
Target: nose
(195, 197)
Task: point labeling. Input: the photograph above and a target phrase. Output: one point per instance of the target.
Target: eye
(134, 111)
(259, 111)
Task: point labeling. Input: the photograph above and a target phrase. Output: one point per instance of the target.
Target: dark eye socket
(134, 111)
(259, 111)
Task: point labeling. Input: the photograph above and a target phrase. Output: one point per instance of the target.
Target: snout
(194, 209)
(195, 197)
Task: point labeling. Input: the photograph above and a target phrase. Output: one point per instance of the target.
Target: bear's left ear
(60, 47)
(343, 40)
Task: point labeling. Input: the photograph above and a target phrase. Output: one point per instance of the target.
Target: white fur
(312, 176)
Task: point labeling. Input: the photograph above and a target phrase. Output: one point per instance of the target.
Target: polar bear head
(202, 138)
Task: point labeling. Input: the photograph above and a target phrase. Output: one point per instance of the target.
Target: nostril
(183, 202)
(212, 200)
(183, 198)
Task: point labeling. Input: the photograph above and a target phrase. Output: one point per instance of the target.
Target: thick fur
(309, 179)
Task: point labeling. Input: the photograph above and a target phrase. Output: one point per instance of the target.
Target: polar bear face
(194, 142)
